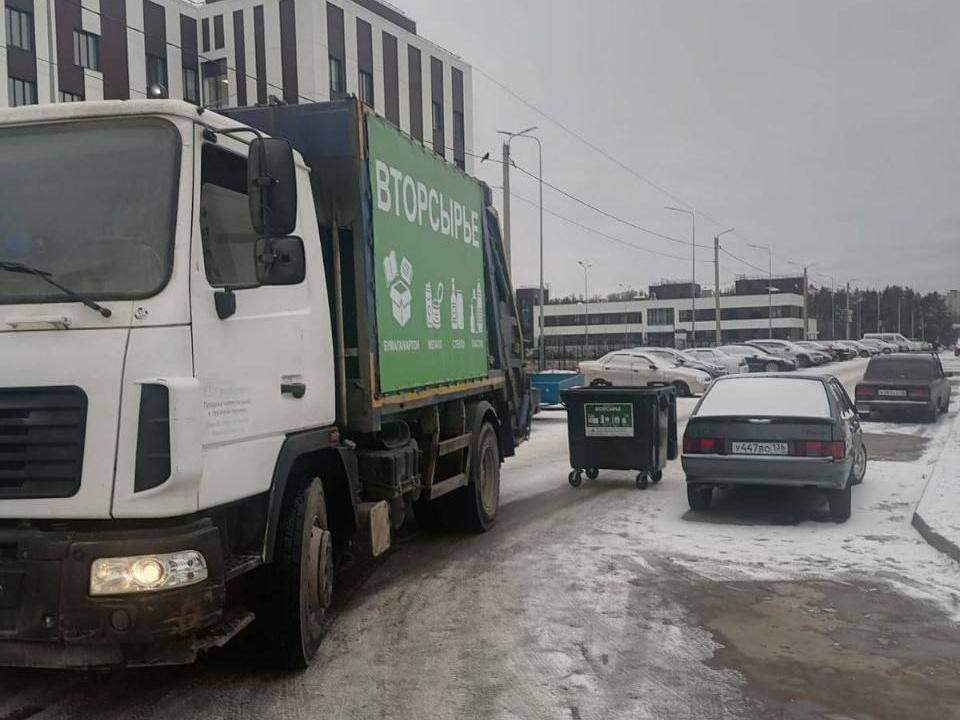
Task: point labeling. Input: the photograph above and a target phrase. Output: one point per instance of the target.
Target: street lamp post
(586, 305)
(510, 137)
(693, 279)
(769, 286)
(626, 318)
(716, 277)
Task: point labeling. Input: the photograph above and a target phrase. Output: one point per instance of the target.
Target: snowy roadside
(937, 515)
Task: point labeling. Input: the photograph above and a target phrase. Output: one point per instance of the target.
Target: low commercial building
(596, 328)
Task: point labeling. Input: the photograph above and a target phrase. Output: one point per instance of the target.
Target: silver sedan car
(776, 429)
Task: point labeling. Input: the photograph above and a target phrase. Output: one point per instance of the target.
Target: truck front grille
(41, 441)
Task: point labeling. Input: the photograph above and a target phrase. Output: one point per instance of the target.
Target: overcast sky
(827, 129)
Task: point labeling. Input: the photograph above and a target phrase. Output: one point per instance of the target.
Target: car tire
(944, 407)
(859, 468)
(699, 498)
(771, 367)
(600, 382)
(840, 502)
(683, 390)
(297, 603)
(803, 361)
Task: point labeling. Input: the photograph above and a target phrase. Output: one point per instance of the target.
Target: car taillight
(699, 446)
(919, 392)
(822, 448)
(865, 391)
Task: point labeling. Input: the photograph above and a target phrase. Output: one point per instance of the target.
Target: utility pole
(847, 318)
(769, 286)
(716, 277)
(693, 277)
(806, 314)
(506, 210)
(899, 308)
(586, 305)
(626, 317)
(879, 323)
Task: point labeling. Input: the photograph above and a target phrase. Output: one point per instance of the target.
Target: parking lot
(609, 602)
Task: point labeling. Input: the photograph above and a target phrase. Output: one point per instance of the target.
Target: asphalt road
(607, 602)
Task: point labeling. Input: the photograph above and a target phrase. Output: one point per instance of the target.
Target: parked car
(758, 360)
(916, 384)
(630, 368)
(834, 349)
(860, 349)
(897, 339)
(683, 360)
(804, 357)
(733, 364)
(820, 349)
(780, 430)
(881, 346)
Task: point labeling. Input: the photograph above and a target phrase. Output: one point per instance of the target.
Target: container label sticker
(608, 419)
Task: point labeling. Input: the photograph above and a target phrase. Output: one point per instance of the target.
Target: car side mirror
(280, 261)
(653, 367)
(272, 186)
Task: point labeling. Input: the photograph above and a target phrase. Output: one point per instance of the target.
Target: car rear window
(899, 369)
(766, 396)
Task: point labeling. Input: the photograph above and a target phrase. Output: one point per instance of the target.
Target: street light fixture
(693, 279)
(586, 304)
(769, 286)
(506, 193)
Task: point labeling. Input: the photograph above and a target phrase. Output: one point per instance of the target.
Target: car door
(618, 369)
(941, 382)
(250, 362)
(642, 370)
(853, 431)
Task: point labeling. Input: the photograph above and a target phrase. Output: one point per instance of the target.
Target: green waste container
(619, 428)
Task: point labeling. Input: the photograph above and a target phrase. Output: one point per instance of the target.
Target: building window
(19, 29)
(86, 50)
(218, 42)
(156, 71)
(205, 34)
(21, 92)
(191, 85)
(338, 84)
(437, 117)
(69, 97)
(215, 85)
(459, 140)
(366, 88)
(660, 316)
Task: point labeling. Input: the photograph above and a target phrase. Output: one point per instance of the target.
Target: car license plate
(892, 393)
(760, 448)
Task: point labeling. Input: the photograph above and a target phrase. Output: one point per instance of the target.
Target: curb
(935, 539)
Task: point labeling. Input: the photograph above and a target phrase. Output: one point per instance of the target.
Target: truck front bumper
(49, 619)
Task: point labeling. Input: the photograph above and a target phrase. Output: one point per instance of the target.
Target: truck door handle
(297, 389)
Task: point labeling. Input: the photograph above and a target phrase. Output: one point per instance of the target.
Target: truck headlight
(147, 573)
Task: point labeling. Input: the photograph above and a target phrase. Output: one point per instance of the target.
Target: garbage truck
(237, 351)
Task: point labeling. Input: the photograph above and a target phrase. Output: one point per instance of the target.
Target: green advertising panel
(428, 253)
(608, 419)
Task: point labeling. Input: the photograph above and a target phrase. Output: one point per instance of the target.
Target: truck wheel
(301, 589)
(474, 507)
(840, 501)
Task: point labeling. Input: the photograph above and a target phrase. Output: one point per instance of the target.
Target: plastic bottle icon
(456, 306)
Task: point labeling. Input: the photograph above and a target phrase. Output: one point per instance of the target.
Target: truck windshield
(91, 203)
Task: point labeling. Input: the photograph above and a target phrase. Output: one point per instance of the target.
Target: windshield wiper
(18, 267)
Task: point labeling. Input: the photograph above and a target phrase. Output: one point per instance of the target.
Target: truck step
(446, 486)
(448, 447)
(221, 634)
(236, 565)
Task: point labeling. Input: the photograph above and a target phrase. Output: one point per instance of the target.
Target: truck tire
(474, 508)
(301, 583)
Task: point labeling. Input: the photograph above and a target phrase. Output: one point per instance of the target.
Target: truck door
(250, 364)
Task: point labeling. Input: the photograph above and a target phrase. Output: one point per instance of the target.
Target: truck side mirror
(272, 186)
(280, 261)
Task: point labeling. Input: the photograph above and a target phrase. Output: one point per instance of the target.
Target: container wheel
(575, 478)
(593, 473)
(656, 476)
(643, 481)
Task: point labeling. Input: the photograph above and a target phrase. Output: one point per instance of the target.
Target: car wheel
(600, 382)
(771, 367)
(803, 361)
(944, 407)
(840, 501)
(699, 498)
(932, 414)
(859, 468)
(683, 390)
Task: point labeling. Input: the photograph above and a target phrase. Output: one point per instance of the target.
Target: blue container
(551, 382)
